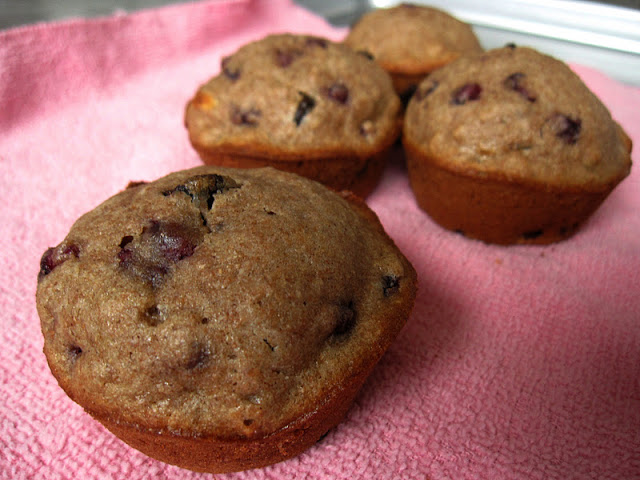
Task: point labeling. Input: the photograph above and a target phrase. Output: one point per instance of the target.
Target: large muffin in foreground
(410, 41)
(510, 146)
(222, 319)
(302, 104)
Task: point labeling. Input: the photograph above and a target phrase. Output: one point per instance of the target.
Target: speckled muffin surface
(298, 103)
(222, 319)
(409, 41)
(517, 120)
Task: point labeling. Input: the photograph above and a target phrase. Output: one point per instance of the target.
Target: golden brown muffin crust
(520, 114)
(224, 305)
(295, 97)
(510, 146)
(412, 39)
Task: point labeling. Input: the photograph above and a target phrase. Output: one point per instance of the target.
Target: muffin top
(291, 95)
(519, 114)
(219, 302)
(412, 39)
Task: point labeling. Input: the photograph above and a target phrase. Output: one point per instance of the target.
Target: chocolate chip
(74, 352)
(172, 241)
(242, 117)
(305, 105)
(466, 93)
(47, 262)
(127, 239)
(160, 245)
(271, 347)
(56, 256)
(317, 42)
(346, 319)
(515, 82)
(390, 285)
(338, 92)
(366, 54)
(125, 256)
(248, 422)
(510, 45)
(284, 58)
(566, 128)
(203, 188)
(231, 74)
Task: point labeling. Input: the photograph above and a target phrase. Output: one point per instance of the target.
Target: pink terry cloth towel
(518, 362)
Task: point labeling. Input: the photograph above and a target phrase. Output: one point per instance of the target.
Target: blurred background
(599, 34)
(339, 12)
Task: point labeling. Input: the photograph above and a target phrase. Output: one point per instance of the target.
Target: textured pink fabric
(517, 363)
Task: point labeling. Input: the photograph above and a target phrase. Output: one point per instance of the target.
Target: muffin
(510, 147)
(301, 104)
(411, 41)
(222, 319)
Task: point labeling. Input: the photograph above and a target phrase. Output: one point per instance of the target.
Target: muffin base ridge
(359, 175)
(223, 455)
(498, 211)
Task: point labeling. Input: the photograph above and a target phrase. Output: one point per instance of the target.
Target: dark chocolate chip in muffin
(466, 93)
(161, 244)
(230, 73)
(566, 128)
(366, 54)
(516, 82)
(248, 117)
(285, 57)
(390, 285)
(346, 319)
(74, 352)
(305, 105)
(271, 347)
(56, 256)
(203, 188)
(317, 42)
(338, 92)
